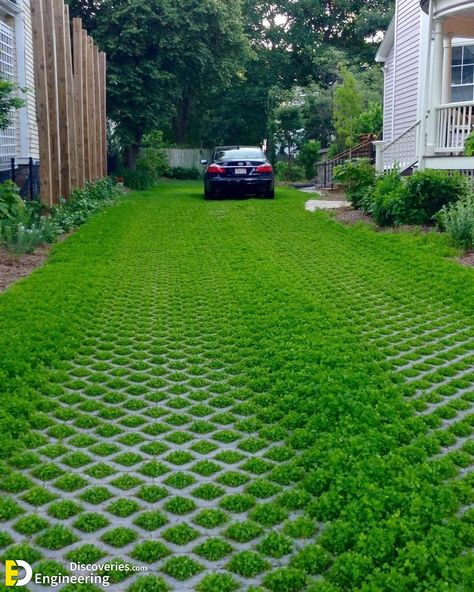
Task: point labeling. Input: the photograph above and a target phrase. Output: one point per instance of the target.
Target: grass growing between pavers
(241, 395)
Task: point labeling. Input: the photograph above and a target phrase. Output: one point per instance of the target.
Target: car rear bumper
(239, 185)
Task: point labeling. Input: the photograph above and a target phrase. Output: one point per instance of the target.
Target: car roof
(237, 147)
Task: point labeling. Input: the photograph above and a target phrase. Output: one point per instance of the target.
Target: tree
(288, 124)
(87, 10)
(317, 114)
(308, 156)
(348, 104)
(164, 59)
(371, 119)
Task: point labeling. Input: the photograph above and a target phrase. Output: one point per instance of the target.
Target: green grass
(235, 353)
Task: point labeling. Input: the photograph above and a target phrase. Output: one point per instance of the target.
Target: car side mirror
(204, 162)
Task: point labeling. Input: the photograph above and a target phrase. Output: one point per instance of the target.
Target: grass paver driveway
(240, 395)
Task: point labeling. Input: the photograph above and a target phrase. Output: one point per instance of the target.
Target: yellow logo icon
(12, 572)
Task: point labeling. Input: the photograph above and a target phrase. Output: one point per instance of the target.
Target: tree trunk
(181, 121)
(132, 152)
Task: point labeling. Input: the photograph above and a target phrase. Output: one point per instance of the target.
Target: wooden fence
(187, 157)
(71, 101)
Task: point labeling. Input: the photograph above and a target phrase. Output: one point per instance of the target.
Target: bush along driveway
(240, 395)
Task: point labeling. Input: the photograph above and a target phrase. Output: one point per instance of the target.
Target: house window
(463, 74)
(8, 136)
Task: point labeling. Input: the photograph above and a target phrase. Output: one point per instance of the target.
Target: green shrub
(357, 177)
(285, 172)
(427, 191)
(152, 162)
(183, 173)
(11, 203)
(469, 145)
(385, 199)
(82, 204)
(19, 237)
(138, 180)
(457, 219)
(308, 156)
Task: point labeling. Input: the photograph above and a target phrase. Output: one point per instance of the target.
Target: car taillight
(264, 168)
(215, 168)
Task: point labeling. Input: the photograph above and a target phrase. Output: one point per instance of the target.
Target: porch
(446, 112)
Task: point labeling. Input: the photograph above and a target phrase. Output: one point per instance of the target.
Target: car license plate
(240, 171)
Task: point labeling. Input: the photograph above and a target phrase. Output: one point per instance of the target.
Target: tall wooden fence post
(62, 90)
(53, 106)
(103, 87)
(73, 167)
(71, 97)
(42, 102)
(78, 102)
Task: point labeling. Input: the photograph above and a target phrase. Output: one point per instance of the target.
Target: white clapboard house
(20, 140)
(428, 61)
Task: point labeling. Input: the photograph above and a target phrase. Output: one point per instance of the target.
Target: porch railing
(455, 122)
(402, 152)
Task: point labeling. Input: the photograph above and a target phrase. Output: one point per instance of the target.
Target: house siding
(30, 83)
(406, 73)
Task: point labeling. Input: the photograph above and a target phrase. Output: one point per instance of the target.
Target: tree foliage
(348, 103)
(205, 71)
(164, 59)
(8, 102)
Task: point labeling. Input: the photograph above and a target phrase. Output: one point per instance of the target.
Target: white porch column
(447, 70)
(379, 163)
(436, 85)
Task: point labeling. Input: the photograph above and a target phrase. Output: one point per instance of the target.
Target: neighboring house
(428, 59)
(20, 140)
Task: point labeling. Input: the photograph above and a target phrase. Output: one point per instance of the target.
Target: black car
(238, 170)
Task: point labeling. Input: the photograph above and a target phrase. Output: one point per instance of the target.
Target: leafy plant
(285, 579)
(90, 522)
(150, 551)
(247, 564)
(284, 172)
(29, 525)
(213, 549)
(275, 545)
(427, 191)
(308, 156)
(357, 178)
(11, 204)
(181, 534)
(181, 567)
(180, 505)
(119, 537)
(183, 173)
(217, 583)
(151, 520)
(85, 554)
(385, 201)
(469, 145)
(56, 537)
(149, 583)
(457, 219)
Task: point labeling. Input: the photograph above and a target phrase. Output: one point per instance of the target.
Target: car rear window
(241, 153)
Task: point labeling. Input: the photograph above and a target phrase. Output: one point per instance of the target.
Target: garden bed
(15, 267)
